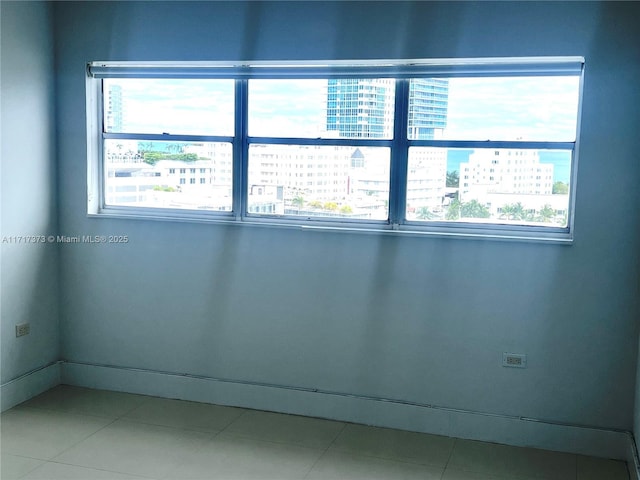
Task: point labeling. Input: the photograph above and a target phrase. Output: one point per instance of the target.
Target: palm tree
(145, 146)
(298, 201)
(423, 213)
(546, 214)
(453, 212)
(513, 211)
(175, 148)
(474, 209)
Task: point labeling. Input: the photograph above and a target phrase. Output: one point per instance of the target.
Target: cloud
(530, 108)
(508, 108)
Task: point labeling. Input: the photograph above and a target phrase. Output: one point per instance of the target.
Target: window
(395, 139)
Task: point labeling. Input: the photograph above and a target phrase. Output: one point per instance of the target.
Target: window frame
(401, 70)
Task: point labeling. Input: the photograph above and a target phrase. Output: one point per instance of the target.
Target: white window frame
(401, 70)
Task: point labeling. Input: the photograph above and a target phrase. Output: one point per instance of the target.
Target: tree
(346, 209)
(175, 148)
(512, 211)
(474, 209)
(546, 214)
(153, 157)
(453, 179)
(515, 211)
(332, 206)
(423, 213)
(298, 201)
(453, 212)
(145, 146)
(560, 188)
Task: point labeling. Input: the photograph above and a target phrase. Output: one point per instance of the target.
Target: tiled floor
(75, 433)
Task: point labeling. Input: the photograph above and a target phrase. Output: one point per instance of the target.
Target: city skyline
(508, 108)
(347, 181)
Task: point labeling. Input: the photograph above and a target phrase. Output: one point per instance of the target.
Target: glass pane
(505, 186)
(504, 108)
(319, 181)
(195, 176)
(334, 108)
(173, 106)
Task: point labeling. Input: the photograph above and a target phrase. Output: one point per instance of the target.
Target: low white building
(504, 179)
(344, 181)
(504, 171)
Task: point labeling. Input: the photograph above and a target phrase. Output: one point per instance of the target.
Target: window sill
(534, 235)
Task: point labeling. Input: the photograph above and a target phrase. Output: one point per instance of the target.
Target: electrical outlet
(517, 360)
(23, 329)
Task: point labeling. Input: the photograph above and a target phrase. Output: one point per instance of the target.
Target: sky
(508, 108)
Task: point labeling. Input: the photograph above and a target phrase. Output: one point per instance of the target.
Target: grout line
(42, 462)
(147, 423)
(453, 447)
(147, 400)
(245, 412)
(100, 469)
(344, 426)
(82, 440)
(57, 410)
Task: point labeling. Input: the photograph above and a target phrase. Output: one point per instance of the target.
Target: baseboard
(633, 463)
(29, 385)
(488, 427)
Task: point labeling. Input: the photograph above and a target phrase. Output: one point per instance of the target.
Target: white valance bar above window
(407, 68)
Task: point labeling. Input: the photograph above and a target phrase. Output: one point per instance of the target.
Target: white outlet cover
(23, 329)
(514, 360)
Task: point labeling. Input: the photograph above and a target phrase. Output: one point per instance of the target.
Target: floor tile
(479, 457)
(43, 434)
(293, 429)
(86, 401)
(135, 448)
(231, 457)
(503, 460)
(72, 433)
(544, 463)
(590, 468)
(59, 471)
(341, 465)
(13, 467)
(452, 473)
(182, 414)
(395, 444)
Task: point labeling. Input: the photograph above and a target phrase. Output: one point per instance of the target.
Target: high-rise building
(363, 108)
(428, 105)
(113, 108)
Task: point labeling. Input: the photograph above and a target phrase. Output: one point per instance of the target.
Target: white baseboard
(357, 409)
(633, 463)
(29, 385)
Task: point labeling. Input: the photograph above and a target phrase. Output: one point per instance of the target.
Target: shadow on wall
(30, 292)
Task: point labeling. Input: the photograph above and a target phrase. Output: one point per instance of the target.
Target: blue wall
(418, 319)
(29, 271)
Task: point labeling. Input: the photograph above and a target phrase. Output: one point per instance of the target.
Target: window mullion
(399, 154)
(166, 137)
(240, 150)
